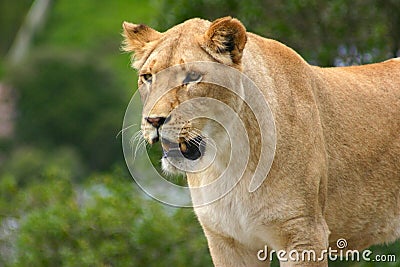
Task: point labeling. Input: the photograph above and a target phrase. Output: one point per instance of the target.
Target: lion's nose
(155, 121)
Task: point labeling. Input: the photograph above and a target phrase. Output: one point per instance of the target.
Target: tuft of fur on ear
(225, 40)
(137, 38)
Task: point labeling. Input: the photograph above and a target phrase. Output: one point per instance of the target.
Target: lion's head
(184, 135)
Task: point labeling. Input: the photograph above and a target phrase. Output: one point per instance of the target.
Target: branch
(31, 25)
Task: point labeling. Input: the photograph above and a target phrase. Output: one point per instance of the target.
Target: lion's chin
(168, 168)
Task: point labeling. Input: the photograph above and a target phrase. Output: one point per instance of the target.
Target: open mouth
(191, 149)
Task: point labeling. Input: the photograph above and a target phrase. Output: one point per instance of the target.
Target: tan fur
(336, 172)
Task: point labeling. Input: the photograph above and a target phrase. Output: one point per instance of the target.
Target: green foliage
(77, 26)
(95, 28)
(106, 222)
(316, 29)
(27, 164)
(26, 168)
(72, 92)
(67, 98)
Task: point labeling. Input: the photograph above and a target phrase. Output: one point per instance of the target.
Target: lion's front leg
(306, 242)
(226, 252)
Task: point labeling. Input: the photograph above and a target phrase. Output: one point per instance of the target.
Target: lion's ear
(225, 40)
(137, 38)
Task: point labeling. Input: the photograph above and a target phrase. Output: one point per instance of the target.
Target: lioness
(336, 170)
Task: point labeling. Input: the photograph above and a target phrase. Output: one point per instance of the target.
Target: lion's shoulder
(394, 60)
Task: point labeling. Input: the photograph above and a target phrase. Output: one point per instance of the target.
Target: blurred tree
(31, 179)
(11, 17)
(68, 98)
(327, 33)
(34, 20)
(391, 11)
(106, 223)
(28, 165)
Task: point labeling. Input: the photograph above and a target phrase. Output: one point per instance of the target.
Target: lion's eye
(147, 77)
(192, 77)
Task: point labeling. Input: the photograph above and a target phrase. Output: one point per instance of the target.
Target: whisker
(192, 135)
(195, 142)
(192, 141)
(135, 137)
(196, 132)
(141, 145)
(147, 145)
(124, 129)
(137, 143)
(201, 142)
